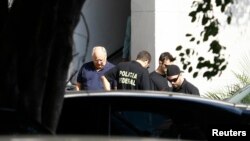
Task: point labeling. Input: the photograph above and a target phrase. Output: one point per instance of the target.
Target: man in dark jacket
(158, 77)
(132, 75)
(179, 83)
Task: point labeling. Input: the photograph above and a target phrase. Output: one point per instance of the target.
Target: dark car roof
(81, 138)
(128, 113)
(157, 95)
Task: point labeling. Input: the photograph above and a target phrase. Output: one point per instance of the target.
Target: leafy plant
(203, 9)
(243, 80)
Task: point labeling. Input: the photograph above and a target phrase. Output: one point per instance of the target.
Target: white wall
(161, 25)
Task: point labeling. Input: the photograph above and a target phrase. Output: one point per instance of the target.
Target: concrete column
(143, 28)
(157, 26)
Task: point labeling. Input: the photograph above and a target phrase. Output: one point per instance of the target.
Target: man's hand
(106, 83)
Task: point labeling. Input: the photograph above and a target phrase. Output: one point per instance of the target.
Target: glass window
(246, 100)
(140, 123)
(83, 118)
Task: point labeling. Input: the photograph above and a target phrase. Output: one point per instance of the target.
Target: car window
(83, 117)
(242, 96)
(148, 120)
(142, 123)
(246, 100)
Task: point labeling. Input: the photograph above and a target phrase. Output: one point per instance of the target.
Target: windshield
(242, 96)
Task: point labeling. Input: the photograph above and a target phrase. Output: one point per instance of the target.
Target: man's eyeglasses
(174, 80)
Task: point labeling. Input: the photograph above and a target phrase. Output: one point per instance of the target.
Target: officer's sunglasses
(174, 80)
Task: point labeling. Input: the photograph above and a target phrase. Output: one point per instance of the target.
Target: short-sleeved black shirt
(159, 82)
(187, 88)
(130, 75)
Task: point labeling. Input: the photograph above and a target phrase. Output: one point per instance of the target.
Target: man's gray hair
(101, 48)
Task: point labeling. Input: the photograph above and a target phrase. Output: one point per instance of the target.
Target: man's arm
(196, 91)
(78, 86)
(146, 81)
(106, 83)
(193, 89)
